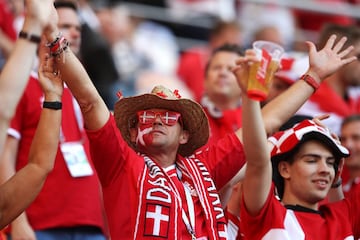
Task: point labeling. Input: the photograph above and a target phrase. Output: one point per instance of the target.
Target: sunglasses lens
(148, 117)
(169, 118)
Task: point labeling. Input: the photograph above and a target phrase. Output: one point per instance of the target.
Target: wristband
(337, 184)
(30, 37)
(52, 105)
(311, 81)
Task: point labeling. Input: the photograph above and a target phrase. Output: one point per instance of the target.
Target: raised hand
(43, 11)
(49, 76)
(242, 68)
(329, 59)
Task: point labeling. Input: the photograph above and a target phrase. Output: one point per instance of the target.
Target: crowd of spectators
(127, 54)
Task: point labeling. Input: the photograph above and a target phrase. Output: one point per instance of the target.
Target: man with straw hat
(154, 182)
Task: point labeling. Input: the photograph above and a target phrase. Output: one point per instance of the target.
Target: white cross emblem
(158, 217)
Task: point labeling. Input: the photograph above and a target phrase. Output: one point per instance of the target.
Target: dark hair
(220, 26)
(352, 32)
(289, 157)
(276, 176)
(350, 119)
(297, 118)
(230, 48)
(65, 4)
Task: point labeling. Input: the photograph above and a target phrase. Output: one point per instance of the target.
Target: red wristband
(311, 81)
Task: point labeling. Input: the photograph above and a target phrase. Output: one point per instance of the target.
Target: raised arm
(21, 189)
(13, 81)
(322, 64)
(258, 171)
(94, 109)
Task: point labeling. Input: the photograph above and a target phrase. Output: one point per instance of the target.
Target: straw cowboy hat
(192, 115)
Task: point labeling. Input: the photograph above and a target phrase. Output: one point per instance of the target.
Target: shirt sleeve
(110, 152)
(224, 159)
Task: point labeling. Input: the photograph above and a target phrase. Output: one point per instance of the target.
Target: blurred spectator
(269, 33)
(219, 9)
(158, 44)
(95, 52)
(254, 17)
(334, 96)
(117, 28)
(7, 31)
(75, 211)
(137, 45)
(161, 57)
(222, 94)
(311, 22)
(350, 138)
(148, 79)
(192, 62)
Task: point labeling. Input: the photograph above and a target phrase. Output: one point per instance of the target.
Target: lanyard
(78, 117)
(190, 225)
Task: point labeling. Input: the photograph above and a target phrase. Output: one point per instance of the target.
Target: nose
(157, 120)
(75, 32)
(324, 167)
(224, 70)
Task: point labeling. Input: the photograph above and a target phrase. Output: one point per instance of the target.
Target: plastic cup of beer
(262, 71)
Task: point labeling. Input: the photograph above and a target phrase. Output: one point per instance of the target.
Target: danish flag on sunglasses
(167, 117)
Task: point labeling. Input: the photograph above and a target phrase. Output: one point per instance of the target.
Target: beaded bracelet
(56, 41)
(60, 49)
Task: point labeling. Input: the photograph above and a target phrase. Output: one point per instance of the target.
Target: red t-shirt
(119, 168)
(64, 201)
(191, 70)
(7, 20)
(333, 221)
(227, 123)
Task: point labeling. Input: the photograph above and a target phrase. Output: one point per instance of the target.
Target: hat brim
(192, 114)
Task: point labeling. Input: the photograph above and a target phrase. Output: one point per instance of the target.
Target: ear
(184, 137)
(133, 134)
(284, 169)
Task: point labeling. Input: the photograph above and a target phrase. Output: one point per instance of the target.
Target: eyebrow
(316, 156)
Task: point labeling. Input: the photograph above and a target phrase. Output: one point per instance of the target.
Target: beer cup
(262, 72)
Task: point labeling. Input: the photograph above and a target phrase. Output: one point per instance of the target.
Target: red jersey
(123, 172)
(333, 221)
(226, 122)
(191, 69)
(7, 20)
(234, 227)
(64, 201)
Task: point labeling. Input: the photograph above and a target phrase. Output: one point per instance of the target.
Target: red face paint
(144, 138)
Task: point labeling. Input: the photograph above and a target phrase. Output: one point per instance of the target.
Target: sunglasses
(148, 117)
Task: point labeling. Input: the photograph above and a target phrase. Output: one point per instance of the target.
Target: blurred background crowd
(130, 45)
